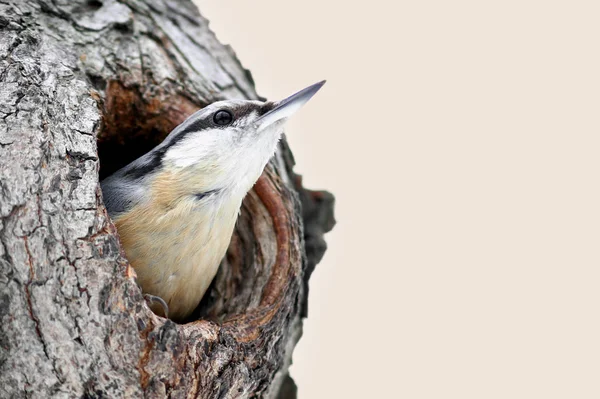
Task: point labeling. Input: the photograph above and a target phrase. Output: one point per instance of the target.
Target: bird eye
(223, 117)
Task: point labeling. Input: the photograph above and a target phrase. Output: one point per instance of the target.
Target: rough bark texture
(87, 86)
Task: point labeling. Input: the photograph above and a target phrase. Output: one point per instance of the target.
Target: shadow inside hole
(117, 151)
(94, 5)
(134, 124)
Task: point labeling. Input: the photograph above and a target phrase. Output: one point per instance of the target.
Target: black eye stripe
(220, 118)
(223, 117)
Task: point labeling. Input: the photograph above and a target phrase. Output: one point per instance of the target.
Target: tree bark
(87, 86)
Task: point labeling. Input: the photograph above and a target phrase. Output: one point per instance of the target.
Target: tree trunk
(86, 87)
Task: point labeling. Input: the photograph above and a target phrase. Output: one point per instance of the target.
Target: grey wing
(121, 193)
(127, 187)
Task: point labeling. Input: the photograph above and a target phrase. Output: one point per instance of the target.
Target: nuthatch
(175, 207)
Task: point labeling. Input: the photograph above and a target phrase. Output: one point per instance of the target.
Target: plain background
(462, 142)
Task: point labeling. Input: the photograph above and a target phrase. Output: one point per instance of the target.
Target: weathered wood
(86, 87)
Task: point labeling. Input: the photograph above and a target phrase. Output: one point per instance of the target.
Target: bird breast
(176, 245)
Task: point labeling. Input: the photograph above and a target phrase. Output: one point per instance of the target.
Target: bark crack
(34, 318)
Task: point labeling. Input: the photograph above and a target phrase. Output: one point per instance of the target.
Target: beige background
(461, 139)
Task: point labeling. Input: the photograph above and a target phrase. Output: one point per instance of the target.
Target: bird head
(218, 152)
(229, 142)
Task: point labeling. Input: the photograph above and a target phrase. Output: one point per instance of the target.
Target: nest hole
(132, 126)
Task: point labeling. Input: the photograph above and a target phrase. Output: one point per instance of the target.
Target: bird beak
(287, 107)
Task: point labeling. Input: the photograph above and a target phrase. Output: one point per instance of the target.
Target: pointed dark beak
(287, 107)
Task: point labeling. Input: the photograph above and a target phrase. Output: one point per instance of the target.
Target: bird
(176, 206)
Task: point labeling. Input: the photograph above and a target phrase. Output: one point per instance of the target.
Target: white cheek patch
(204, 146)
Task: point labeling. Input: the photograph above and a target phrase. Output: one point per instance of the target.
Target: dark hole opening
(94, 4)
(116, 151)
